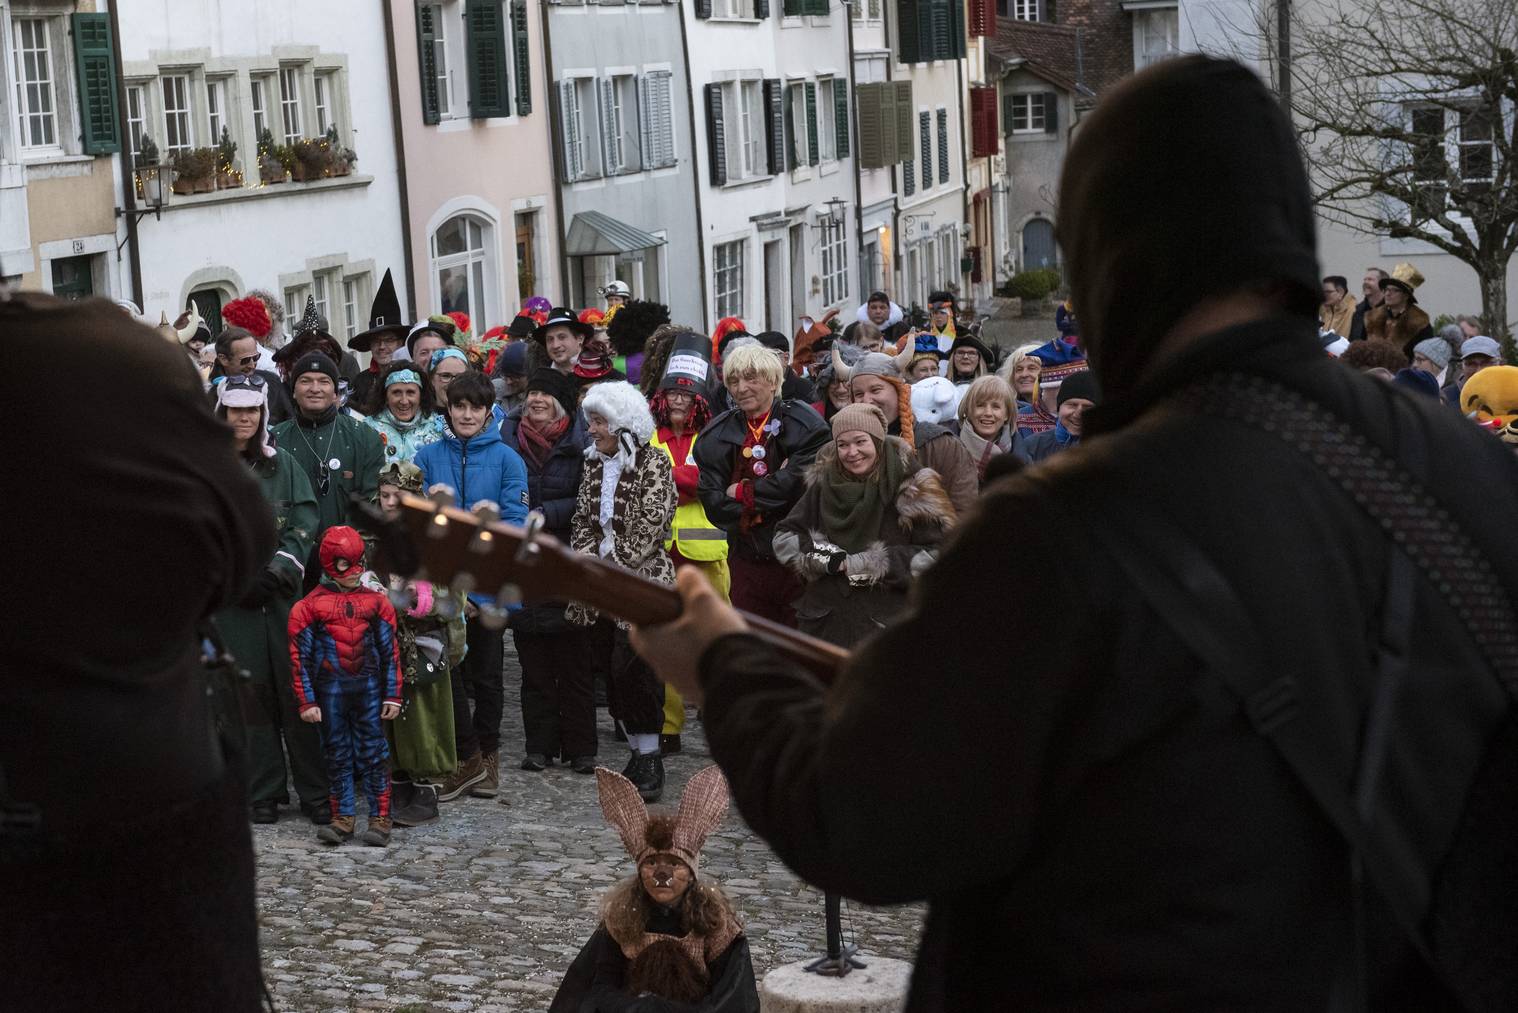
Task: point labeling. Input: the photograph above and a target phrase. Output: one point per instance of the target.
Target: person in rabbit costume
(669, 941)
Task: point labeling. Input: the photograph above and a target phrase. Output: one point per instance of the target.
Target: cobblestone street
(484, 909)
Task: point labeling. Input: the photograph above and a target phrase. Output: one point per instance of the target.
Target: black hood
(1185, 183)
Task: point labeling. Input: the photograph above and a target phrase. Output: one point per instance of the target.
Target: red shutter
(983, 122)
(983, 17)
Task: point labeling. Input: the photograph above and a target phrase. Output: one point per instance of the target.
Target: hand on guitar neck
(432, 540)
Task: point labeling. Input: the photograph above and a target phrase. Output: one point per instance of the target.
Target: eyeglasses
(448, 378)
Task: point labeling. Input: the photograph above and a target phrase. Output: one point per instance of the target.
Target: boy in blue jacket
(472, 460)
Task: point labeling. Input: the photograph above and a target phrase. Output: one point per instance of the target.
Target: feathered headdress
(250, 314)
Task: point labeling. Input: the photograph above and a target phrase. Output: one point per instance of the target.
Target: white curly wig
(622, 406)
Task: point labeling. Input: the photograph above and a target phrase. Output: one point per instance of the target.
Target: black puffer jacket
(551, 490)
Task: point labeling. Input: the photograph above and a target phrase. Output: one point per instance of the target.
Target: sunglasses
(247, 360)
(252, 381)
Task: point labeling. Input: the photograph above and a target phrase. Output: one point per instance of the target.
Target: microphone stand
(839, 959)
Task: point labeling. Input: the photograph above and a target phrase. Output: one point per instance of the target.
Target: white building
(774, 148)
(292, 73)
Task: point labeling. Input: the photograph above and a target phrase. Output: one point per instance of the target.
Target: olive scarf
(853, 508)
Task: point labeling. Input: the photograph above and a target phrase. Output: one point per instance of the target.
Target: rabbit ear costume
(688, 948)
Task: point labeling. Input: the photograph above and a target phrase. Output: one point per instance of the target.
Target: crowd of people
(810, 478)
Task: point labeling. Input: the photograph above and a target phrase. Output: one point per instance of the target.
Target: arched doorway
(1038, 244)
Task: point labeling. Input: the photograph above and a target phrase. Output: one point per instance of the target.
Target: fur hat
(623, 407)
(702, 807)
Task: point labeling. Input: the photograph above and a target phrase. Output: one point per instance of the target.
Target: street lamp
(833, 217)
(152, 184)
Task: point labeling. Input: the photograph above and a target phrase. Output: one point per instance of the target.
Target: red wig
(725, 326)
(250, 314)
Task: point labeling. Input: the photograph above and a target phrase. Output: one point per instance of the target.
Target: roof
(593, 234)
(1053, 52)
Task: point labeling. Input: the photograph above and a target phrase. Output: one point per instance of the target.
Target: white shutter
(608, 129)
(661, 125)
(649, 158)
(574, 143)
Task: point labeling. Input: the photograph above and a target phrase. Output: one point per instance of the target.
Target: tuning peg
(528, 550)
(487, 513)
(441, 496)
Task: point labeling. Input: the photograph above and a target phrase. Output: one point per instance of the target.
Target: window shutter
(983, 122)
(909, 176)
(774, 114)
(812, 148)
(890, 151)
(907, 41)
(426, 45)
(1046, 11)
(904, 106)
(663, 131)
(956, 29)
(1006, 112)
(795, 8)
(867, 110)
(761, 9)
(569, 126)
(841, 118)
(486, 45)
(98, 102)
(523, 65)
(925, 140)
(703, 9)
(788, 115)
(983, 17)
(716, 140)
(939, 30)
(1051, 112)
(818, 8)
(943, 145)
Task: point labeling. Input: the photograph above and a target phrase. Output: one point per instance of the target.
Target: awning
(592, 234)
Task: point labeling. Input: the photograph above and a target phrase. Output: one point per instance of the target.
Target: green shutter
(523, 61)
(789, 117)
(426, 46)
(818, 7)
(795, 8)
(841, 117)
(957, 28)
(811, 124)
(905, 135)
(774, 123)
(906, 30)
(98, 102)
(890, 153)
(486, 45)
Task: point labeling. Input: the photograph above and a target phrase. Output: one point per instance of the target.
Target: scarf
(983, 450)
(853, 509)
(537, 444)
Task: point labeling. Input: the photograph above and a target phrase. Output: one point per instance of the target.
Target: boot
(420, 807)
(632, 766)
(337, 831)
(469, 773)
(319, 813)
(265, 812)
(583, 765)
(377, 833)
(648, 776)
(669, 745)
(488, 786)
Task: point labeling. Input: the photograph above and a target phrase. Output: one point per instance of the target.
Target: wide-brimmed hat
(968, 341)
(1406, 277)
(442, 329)
(384, 317)
(561, 317)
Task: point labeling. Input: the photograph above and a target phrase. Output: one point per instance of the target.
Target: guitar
(470, 551)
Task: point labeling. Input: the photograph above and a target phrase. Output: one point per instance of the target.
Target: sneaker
(488, 786)
(534, 761)
(583, 765)
(319, 813)
(377, 833)
(414, 807)
(648, 776)
(338, 830)
(469, 773)
(669, 745)
(265, 812)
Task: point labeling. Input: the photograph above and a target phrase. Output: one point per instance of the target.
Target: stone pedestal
(879, 988)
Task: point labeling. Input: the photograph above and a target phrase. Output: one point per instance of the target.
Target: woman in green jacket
(255, 628)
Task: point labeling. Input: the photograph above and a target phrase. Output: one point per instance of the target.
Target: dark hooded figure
(1127, 832)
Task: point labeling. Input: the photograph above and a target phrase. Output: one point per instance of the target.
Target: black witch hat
(311, 322)
(384, 318)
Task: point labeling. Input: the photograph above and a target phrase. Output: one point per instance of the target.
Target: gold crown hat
(1406, 277)
(702, 806)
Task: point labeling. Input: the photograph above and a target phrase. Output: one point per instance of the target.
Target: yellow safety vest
(697, 538)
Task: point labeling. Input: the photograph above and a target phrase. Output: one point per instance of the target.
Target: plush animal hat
(702, 807)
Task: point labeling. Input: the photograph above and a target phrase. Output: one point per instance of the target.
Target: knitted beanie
(1435, 350)
(860, 418)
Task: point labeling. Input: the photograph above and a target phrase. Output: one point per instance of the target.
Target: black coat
(791, 451)
(551, 490)
(148, 524)
(595, 981)
(1091, 816)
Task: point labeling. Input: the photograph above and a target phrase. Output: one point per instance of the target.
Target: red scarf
(537, 443)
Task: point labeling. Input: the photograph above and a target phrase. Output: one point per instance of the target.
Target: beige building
(59, 130)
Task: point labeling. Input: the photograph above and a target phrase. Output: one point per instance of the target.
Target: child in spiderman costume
(345, 662)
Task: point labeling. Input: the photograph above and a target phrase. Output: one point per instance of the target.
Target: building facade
(481, 205)
(627, 166)
(59, 134)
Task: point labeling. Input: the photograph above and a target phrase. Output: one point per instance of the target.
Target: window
(619, 124)
(216, 107)
(260, 95)
(176, 114)
(943, 144)
(796, 126)
(322, 83)
(463, 260)
(925, 141)
(319, 295)
(136, 119)
(353, 296)
(1155, 36)
(36, 92)
(744, 103)
(827, 134)
(930, 30)
(728, 278)
(289, 103)
(835, 264)
(1025, 114)
(1476, 157)
(732, 8)
(1027, 10)
(578, 115)
(657, 125)
(295, 304)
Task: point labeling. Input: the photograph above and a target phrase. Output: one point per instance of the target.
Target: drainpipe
(400, 157)
(128, 186)
(964, 146)
(555, 130)
(858, 175)
(690, 105)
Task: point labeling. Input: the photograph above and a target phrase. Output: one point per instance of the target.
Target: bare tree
(1406, 114)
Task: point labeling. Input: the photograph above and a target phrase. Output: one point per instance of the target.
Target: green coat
(257, 637)
(355, 447)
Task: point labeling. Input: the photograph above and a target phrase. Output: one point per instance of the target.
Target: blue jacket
(479, 468)
(1046, 445)
(553, 488)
